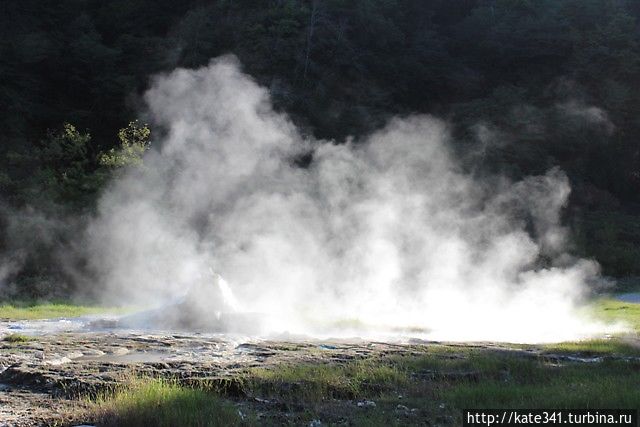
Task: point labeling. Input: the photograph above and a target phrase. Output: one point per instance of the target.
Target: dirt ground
(43, 381)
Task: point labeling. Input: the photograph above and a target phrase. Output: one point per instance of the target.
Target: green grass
(314, 383)
(611, 310)
(595, 347)
(30, 310)
(441, 382)
(163, 403)
(504, 380)
(17, 338)
(536, 384)
(508, 380)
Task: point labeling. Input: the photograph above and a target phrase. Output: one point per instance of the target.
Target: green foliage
(134, 141)
(65, 172)
(66, 151)
(340, 68)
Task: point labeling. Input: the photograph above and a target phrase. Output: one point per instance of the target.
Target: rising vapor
(373, 238)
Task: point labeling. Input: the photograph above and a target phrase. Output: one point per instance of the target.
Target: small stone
(315, 423)
(366, 404)
(74, 354)
(327, 347)
(119, 351)
(57, 361)
(92, 352)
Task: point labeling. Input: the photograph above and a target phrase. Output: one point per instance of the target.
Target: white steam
(377, 236)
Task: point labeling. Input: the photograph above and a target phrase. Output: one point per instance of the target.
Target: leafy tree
(65, 172)
(134, 141)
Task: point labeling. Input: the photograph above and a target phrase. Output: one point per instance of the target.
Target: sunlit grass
(17, 338)
(317, 382)
(163, 403)
(30, 310)
(596, 347)
(611, 310)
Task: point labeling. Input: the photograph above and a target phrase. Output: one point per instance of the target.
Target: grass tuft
(17, 338)
(315, 383)
(163, 403)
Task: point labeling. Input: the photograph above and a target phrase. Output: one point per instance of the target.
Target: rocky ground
(44, 381)
(40, 380)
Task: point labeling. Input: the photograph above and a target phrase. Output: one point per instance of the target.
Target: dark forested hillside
(525, 85)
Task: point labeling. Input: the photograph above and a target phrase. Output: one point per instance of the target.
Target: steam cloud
(377, 236)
